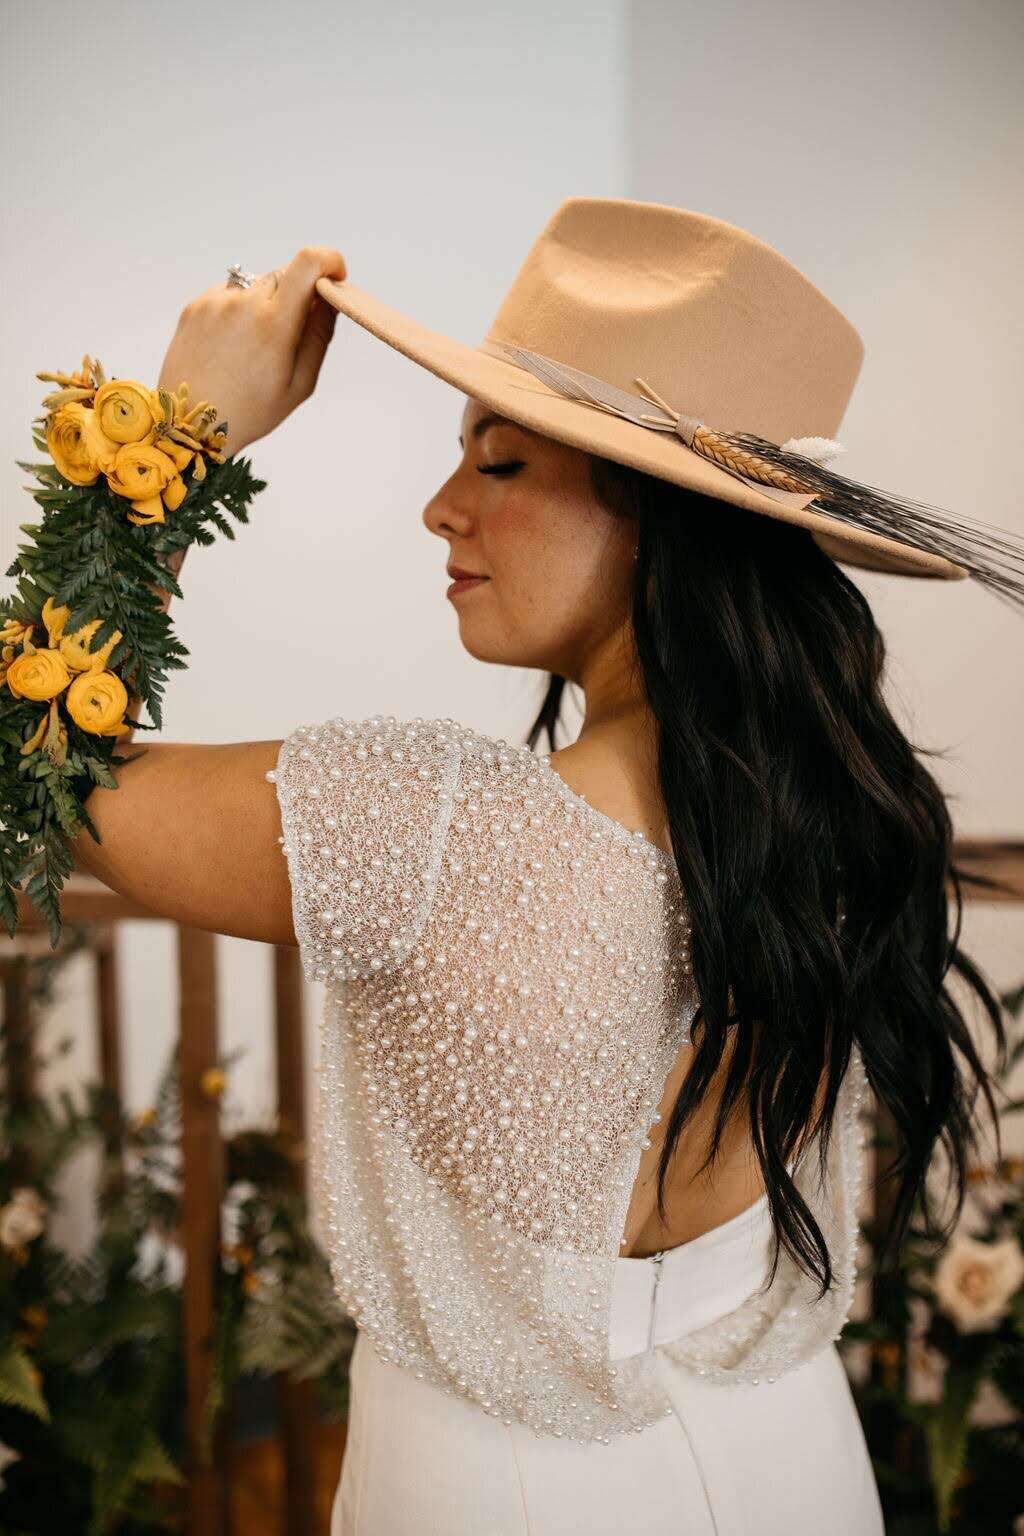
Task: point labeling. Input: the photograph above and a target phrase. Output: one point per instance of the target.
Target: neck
(615, 704)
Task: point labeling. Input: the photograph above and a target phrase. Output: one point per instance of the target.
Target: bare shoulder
(193, 832)
(621, 785)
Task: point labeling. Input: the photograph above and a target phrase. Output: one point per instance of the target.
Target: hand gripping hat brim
(728, 335)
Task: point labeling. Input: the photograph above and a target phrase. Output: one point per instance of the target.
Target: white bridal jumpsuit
(506, 990)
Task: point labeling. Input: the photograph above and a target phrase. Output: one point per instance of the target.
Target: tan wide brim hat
(727, 333)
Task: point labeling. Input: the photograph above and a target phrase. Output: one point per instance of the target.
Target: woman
(598, 1021)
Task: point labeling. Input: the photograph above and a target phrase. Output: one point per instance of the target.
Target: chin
(481, 651)
(484, 647)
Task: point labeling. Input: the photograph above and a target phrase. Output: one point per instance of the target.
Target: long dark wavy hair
(813, 848)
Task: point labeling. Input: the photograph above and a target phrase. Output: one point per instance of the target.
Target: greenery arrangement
(134, 476)
(91, 1346)
(91, 1384)
(955, 1324)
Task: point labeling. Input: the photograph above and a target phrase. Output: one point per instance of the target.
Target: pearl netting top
(507, 988)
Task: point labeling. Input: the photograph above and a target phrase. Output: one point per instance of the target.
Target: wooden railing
(85, 900)
(994, 871)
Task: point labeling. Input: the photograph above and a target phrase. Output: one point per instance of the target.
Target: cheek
(542, 547)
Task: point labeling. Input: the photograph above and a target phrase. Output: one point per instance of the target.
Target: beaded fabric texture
(507, 989)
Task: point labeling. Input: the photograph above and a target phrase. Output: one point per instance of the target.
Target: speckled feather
(507, 988)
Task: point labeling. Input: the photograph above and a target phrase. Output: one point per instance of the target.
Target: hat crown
(720, 324)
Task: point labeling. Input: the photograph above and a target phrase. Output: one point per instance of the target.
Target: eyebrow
(491, 420)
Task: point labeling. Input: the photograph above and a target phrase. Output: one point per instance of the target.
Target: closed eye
(500, 469)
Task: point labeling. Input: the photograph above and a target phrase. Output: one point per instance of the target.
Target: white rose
(22, 1218)
(929, 1368)
(974, 1281)
(7, 1455)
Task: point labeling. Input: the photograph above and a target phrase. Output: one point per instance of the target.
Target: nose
(444, 515)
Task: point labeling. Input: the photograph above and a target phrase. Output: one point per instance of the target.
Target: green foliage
(86, 554)
(940, 1473)
(18, 1388)
(92, 1392)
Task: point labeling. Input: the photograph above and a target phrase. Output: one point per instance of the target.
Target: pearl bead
(508, 984)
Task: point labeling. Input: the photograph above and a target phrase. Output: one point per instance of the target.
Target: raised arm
(193, 832)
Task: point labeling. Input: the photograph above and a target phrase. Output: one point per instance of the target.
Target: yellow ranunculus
(174, 494)
(141, 471)
(176, 451)
(55, 618)
(96, 702)
(36, 739)
(13, 632)
(127, 411)
(51, 734)
(75, 648)
(77, 445)
(38, 674)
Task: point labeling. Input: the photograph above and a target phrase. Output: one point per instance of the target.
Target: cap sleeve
(365, 809)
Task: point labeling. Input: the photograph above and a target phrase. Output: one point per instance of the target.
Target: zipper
(657, 1258)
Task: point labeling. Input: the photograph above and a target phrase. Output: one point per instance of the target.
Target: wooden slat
(19, 1056)
(203, 1182)
(108, 1007)
(84, 899)
(996, 860)
(991, 869)
(297, 1399)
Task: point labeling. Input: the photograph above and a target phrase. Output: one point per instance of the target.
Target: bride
(599, 1021)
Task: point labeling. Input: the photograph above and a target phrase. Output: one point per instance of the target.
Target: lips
(457, 573)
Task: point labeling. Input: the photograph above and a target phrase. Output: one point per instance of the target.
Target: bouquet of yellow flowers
(134, 476)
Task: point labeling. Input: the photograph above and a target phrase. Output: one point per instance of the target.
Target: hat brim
(528, 400)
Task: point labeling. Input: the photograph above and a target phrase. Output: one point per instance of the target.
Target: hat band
(781, 486)
(794, 473)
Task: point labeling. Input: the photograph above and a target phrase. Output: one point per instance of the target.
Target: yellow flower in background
(213, 1082)
(142, 472)
(77, 445)
(75, 648)
(35, 1319)
(37, 673)
(127, 411)
(96, 702)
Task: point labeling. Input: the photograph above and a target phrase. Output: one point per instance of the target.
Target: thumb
(313, 343)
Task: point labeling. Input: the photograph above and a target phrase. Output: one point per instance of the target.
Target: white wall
(140, 157)
(877, 146)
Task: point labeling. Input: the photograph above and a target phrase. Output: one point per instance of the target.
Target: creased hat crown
(727, 328)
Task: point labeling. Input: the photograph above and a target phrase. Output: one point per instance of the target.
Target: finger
(296, 285)
(270, 282)
(313, 343)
